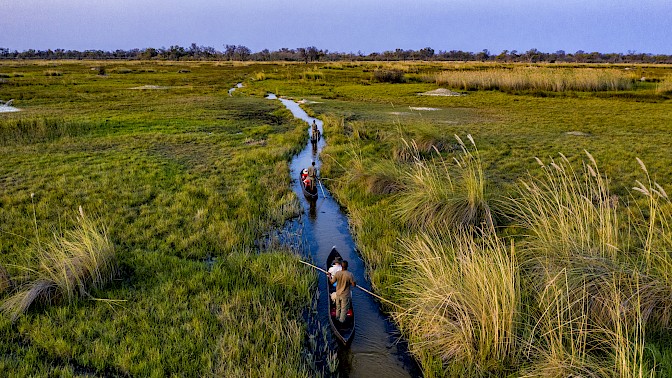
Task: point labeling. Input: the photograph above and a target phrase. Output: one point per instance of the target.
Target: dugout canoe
(346, 330)
(309, 194)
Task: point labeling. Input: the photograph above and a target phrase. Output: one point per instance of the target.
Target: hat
(337, 260)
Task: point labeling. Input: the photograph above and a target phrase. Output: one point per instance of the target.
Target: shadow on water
(377, 349)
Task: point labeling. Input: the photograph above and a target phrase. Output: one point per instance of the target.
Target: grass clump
(433, 199)
(389, 76)
(312, 75)
(53, 73)
(36, 130)
(70, 267)
(568, 212)
(470, 291)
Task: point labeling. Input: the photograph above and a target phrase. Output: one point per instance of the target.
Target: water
(7, 109)
(239, 85)
(376, 350)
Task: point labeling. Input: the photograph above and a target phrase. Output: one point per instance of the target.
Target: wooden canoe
(309, 194)
(315, 137)
(346, 330)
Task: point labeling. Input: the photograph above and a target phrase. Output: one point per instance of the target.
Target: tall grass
(69, 267)
(568, 212)
(462, 301)
(35, 130)
(312, 75)
(537, 78)
(433, 198)
(598, 291)
(665, 86)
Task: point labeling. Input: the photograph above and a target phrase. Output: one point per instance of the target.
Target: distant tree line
(313, 54)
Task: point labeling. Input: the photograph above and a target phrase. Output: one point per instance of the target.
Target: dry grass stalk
(463, 299)
(67, 268)
(433, 199)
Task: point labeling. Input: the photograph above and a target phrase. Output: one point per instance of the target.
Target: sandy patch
(150, 87)
(441, 92)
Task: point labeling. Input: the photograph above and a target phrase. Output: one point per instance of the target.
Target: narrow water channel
(376, 350)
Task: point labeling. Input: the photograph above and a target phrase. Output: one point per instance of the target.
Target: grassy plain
(569, 282)
(186, 179)
(169, 162)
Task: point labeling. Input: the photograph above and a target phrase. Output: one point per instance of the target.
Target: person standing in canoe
(335, 267)
(344, 282)
(315, 130)
(312, 175)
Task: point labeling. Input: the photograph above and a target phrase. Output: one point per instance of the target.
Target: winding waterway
(377, 349)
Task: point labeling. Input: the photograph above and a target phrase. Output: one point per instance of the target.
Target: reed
(537, 78)
(70, 267)
(567, 212)
(462, 301)
(433, 198)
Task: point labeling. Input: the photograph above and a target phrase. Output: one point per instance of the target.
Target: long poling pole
(320, 182)
(360, 288)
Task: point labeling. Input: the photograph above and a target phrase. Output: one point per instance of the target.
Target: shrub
(388, 76)
(53, 73)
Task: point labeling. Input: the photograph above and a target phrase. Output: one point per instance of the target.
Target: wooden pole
(320, 182)
(359, 287)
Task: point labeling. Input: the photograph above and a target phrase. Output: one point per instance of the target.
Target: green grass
(173, 173)
(186, 180)
(590, 299)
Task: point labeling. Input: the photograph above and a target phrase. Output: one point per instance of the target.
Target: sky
(606, 26)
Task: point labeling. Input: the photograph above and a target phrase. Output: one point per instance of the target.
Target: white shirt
(335, 268)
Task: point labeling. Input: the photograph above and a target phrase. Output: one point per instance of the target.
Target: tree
(242, 52)
(303, 54)
(427, 53)
(229, 51)
(503, 56)
(483, 55)
(148, 53)
(313, 53)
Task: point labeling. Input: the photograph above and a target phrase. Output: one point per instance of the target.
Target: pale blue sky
(345, 26)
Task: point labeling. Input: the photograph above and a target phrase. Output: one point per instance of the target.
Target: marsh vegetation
(504, 265)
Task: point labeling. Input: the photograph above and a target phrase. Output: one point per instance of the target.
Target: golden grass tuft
(568, 212)
(67, 268)
(462, 300)
(432, 198)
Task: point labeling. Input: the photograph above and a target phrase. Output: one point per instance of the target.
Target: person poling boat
(344, 281)
(341, 311)
(315, 134)
(308, 183)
